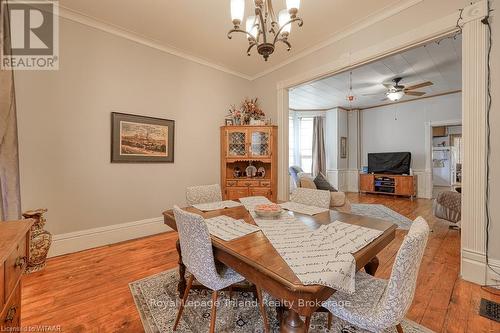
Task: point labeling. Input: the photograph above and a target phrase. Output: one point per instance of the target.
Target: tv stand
(388, 184)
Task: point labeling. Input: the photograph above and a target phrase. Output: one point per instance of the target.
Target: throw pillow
(323, 184)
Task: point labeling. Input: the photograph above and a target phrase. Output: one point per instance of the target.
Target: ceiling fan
(396, 91)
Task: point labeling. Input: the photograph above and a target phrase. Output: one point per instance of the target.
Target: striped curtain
(318, 147)
(10, 204)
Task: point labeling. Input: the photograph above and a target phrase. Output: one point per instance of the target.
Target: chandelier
(265, 29)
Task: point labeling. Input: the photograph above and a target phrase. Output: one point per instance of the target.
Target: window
(291, 141)
(300, 132)
(306, 138)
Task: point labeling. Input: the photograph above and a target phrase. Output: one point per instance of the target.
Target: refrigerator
(444, 166)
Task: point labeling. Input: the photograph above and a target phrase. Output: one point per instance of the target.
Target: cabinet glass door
(236, 143)
(260, 143)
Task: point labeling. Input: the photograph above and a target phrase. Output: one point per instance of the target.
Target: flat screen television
(393, 163)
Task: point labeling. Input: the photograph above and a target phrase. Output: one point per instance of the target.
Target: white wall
(494, 248)
(401, 127)
(64, 129)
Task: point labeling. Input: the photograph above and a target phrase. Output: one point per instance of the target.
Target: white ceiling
(198, 28)
(439, 63)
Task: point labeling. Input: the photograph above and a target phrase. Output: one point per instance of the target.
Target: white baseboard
(90, 238)
(474, 268)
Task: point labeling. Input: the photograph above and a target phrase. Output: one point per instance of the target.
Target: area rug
(157, 301)
(381, 212)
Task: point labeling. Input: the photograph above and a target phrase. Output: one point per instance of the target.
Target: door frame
(474, 107)
(428, 151)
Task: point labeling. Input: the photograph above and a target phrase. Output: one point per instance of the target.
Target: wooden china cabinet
(242, 146)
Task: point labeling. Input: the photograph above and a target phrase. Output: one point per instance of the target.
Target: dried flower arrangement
(248, 110)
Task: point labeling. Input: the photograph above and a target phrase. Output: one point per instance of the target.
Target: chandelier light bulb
(237, 11)
(293, 4)
(293, 7)
(283, 18)
(251, 28)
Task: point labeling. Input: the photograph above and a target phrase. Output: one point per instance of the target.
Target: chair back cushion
(196, 247)
(401, 287)
(203, 194)
(306, 181)
(311, 197)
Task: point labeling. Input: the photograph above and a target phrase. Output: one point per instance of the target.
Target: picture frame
(229, 122)
(343, 147)
(141, 139)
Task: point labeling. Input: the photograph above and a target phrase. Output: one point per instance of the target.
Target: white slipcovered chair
(198, 257)
(203, 194)
(311, 197)
(379, 304)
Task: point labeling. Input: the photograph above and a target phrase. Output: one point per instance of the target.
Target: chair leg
(213, 314)
(262, 310)
(330, 318)
(183, 301)
(307, 324)
(399, 328)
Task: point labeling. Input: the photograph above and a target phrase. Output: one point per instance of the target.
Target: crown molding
(95, 23)
(378, 16)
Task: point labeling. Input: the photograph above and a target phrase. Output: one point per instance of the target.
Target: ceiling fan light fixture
(395, 95)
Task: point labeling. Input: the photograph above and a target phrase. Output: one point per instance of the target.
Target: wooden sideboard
(14, 251)
(245, 145)
(388, 184)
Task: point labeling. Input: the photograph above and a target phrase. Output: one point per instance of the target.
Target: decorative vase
(40, 242)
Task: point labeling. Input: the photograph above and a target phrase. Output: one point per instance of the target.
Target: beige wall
(64, 129)
(413, 18)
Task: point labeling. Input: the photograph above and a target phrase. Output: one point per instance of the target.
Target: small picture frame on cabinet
(229, 122)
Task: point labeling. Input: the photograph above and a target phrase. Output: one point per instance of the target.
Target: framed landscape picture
(141, 139)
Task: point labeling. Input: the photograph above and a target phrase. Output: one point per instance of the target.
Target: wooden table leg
(181, 286)
(372, 266)
(291, 322)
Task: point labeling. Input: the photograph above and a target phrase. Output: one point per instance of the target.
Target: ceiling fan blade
(420, 85)
(415, 93)
(388, 85)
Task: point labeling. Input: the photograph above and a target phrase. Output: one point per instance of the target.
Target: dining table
(254, 257)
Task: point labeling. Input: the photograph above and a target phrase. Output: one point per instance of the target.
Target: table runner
(227, 228)
(303, 209)
(206, 207)
(322, 256)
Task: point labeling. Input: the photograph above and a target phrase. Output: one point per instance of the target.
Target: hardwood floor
(88, 291)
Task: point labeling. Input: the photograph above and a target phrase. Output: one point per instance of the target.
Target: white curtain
(10, 201)
(318, 147)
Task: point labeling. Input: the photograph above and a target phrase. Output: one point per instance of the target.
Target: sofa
(338, 200)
